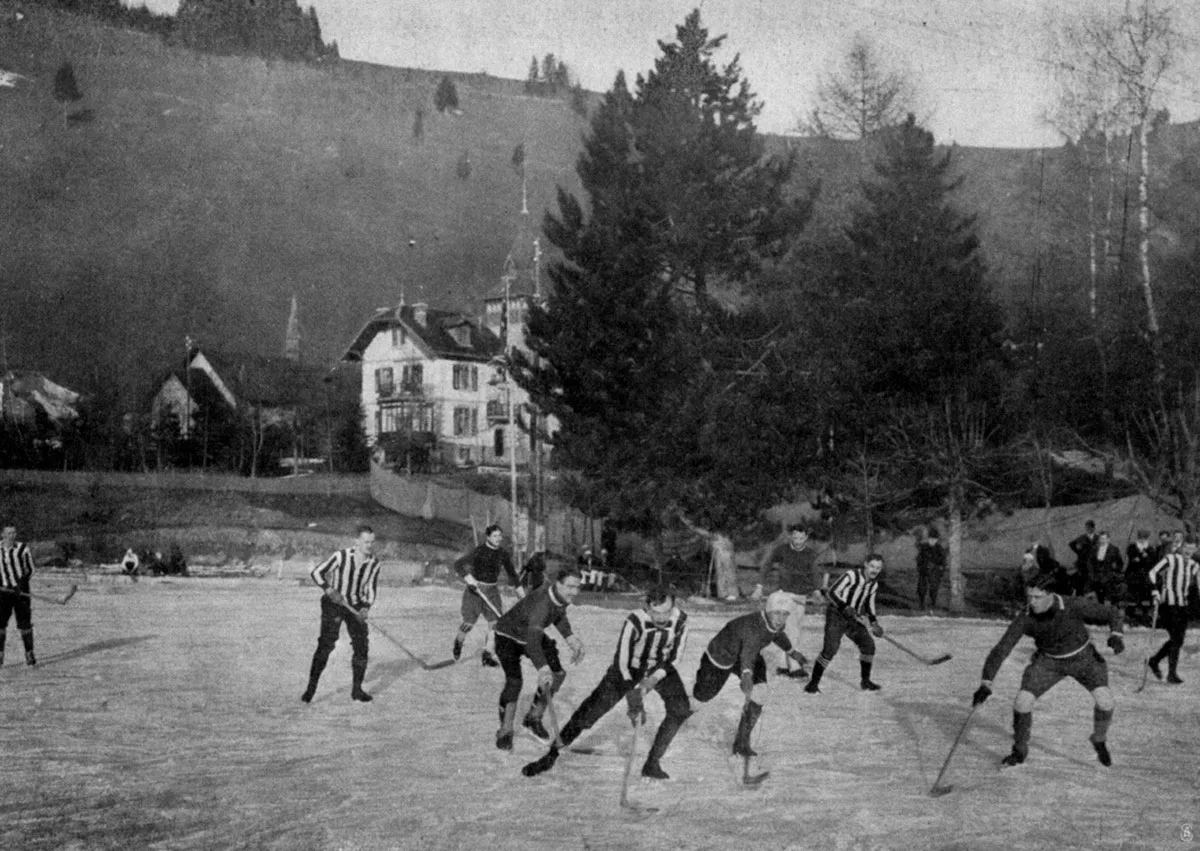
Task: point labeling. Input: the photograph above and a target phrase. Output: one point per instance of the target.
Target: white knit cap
(779, 601)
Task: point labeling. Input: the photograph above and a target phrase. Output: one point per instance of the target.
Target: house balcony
(405, 390)
(497, 412)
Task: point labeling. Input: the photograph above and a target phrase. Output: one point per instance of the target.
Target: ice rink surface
(166, 715)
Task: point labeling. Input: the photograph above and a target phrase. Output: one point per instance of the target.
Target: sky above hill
(980, 65)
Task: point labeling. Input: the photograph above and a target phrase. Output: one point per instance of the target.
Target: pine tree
(646, 386)
(918, 321)
(446, 96)
(66, 89)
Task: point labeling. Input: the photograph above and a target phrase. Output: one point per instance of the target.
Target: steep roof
(264, 380)
(435, 334)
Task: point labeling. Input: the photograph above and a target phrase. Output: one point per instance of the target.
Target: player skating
(851, 612)
(789, 565)
(736, 650)
(1170, 580)
(16, 570)
(522, 632)
(480, 569)
(648, 647)
(1058, 627)
(349, 579)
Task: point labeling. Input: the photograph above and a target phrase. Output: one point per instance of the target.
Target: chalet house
(433, 380)
(26, 394)
(272, 392)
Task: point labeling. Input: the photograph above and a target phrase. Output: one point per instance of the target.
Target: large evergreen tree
(916, 334)
(658, 390)
(915, 320)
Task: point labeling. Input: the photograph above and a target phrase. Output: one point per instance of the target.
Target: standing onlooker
(480, 570)
(16, 569)
(522, 632)
(931, 565)
(1165, 544)
(1140, 558)
(851, 612)
(349, 579)
(1058, 627)
(1106, 572)
(789, 566)
(1082, 548)
(1171, 578)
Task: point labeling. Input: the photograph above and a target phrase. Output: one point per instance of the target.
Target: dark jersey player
(734, 651)
(480, 570)
(651, 640)
(1058, 627)
(521, 632)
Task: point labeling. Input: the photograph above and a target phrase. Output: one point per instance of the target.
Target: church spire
(291, 343)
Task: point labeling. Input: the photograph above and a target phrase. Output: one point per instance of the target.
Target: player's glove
(981, 694)
(757, 593)
(364, 613)
(470, 580)
(1117, 643)
(545, 678)
(576, 645)
(876, 629)
(1156, 597)
(335, 596)
(747, 682)
(637, 707)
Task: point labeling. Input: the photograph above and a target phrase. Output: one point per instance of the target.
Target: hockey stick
(938, 789)
(748, 779)
(60, 602)
(626, 804)
(1149, 644)
(489, 603)
(945, 657)
(428, 666)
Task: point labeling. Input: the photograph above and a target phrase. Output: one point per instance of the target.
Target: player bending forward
(650, 642)
(735, 650)
(1063, 649)
(522, 632)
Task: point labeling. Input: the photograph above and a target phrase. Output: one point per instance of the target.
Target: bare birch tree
(1127, 54)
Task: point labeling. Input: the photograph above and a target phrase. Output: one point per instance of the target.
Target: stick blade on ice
(945, 657)
(70, 593)
(938, 791)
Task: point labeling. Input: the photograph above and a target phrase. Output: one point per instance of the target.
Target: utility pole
(510, 427)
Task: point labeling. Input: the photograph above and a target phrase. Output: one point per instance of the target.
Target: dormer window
(461, 335)
(399, 336)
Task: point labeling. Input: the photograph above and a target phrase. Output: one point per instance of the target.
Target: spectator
(1106, 572)
(1083, 547)
(931, 565)
(1140, 558)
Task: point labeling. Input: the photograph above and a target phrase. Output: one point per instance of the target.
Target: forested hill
(193, 194)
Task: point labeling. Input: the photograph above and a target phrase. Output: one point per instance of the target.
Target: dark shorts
(1087, 667)
(473, 605)
(710, 678)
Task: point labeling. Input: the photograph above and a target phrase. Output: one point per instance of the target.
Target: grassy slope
(210, 189)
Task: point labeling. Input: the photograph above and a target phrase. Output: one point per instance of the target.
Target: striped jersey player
(16, 569)
(851, 612)
(648, 648)
(1170, 581)
(349, 580)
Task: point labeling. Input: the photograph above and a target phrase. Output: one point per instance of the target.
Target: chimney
(419, 312)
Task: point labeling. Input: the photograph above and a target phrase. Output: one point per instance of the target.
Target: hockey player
(480, 570)
(1058, 628)
(851, 611)
(736, 650)
(349, 579)
(16, 569)
(522, 632)
(648, 647)
(1170, 580)
(789, 565)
